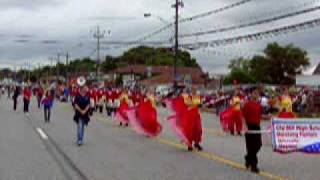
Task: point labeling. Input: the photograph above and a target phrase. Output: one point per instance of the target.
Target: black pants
(91, 110)
(14, 103)
(109, 111)
(25, 105)
(253, 145)
(47, 113)
(39, 101)
(100, 107)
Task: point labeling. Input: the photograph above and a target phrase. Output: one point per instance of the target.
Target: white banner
(296, 135)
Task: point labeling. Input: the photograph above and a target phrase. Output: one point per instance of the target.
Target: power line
(202, 15)
(264, 21)
(164, 28)
(134, 42)
(255, 36)
(263, 15)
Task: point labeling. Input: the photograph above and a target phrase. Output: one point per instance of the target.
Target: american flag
(313, 148)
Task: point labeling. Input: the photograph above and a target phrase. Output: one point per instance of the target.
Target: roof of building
(164, 74)
(139, 69)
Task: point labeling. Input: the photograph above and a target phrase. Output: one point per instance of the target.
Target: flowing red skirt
(185, 123)
(121, 114)
(231, 118)
(143, 119)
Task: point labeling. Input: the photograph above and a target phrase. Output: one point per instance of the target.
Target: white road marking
(42, 134)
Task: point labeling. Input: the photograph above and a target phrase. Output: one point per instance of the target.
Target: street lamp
(149, 15)
(178, 4)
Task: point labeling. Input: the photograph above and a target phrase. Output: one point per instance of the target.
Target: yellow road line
(214, 132)
(211, 156)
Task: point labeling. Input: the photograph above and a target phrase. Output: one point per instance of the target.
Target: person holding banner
(252, 112)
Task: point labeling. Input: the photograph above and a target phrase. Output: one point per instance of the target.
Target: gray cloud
(37, 29)
(27, 4)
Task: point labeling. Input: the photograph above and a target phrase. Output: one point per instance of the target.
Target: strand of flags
(255, 36)
(260, 22)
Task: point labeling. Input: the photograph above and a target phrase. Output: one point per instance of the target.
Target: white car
(162, 90)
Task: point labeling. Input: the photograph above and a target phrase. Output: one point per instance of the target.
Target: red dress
(143, 119)
(231, 120)
(27, 94)
(121, 114)
(186, 123)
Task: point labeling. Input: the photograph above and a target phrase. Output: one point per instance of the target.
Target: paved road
(31, 149)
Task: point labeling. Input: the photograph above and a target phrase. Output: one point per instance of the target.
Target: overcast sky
(38, 29)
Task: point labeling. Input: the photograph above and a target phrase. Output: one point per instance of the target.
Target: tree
(278, 65)
(285, 62)
(259, 69)
(141, 55)
(240, 63)
(240, 75)
(157, 57)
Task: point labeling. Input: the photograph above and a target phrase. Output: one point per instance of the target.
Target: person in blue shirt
(81, 117)
(66, 94)
(47, 103)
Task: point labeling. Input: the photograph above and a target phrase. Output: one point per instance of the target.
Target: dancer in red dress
(186, 121)
(232, 118)
(143, 118)
(121, 114)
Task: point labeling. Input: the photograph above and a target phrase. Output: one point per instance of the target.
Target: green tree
(285, 62)
(240, 75)
(240, 63)
(278, 65)
(259, 69)
(157, 56)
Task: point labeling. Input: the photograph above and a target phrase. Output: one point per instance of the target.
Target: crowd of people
(240, 113)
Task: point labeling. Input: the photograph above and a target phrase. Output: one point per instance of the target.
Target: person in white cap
(82, 106)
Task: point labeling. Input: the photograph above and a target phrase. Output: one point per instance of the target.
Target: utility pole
(176, 47)
(57, 66)
(98, 34)
(67, 67)
(29, 70)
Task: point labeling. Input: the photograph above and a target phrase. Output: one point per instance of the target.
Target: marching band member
(100, 99)
(26, 98)
(252, 112)
(109, 101)
(135, 97)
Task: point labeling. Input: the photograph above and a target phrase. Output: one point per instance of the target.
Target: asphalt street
(31, 149)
